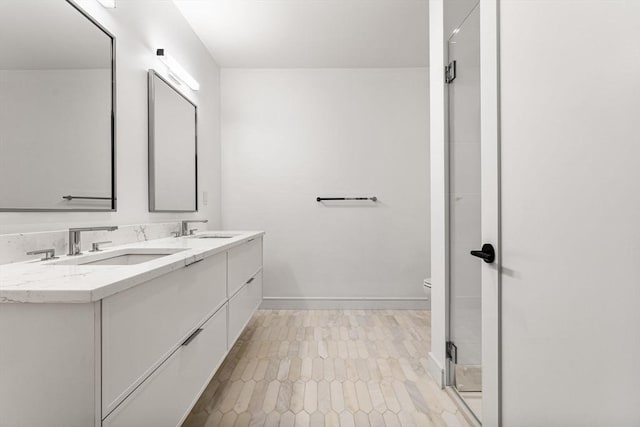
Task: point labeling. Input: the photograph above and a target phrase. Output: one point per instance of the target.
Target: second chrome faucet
(74, 237)
(184, 230)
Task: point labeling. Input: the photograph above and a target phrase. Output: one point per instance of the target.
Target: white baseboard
(345, 303)
(435, 370)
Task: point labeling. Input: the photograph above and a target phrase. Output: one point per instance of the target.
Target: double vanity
(127, 336)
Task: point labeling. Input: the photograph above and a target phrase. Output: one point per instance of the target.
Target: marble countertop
(54, 282)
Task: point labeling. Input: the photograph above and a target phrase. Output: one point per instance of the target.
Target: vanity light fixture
(111, 4)
(176, 71)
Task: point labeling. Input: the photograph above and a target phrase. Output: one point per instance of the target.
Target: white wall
(570, 212)
(439, 192)
(290, 135)
(140, 27)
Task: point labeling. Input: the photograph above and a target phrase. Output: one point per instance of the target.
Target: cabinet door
(244, 262)
(48, 365)
(243, 305)
(167, 396)
(143, 325)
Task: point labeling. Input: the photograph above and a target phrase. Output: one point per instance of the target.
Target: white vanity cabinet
(244, 262)
(139, 357)
(244, 285)
(163, 341)
(242, 305)
(164, 398)
(142, 326)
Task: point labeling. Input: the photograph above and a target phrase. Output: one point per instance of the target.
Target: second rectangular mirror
(173, 183)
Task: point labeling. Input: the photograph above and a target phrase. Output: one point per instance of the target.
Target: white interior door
(570, 148)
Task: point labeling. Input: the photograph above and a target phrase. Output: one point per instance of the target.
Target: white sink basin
(130, 256)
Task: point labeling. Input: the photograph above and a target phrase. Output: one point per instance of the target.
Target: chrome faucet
(74, 237)
(185, 225)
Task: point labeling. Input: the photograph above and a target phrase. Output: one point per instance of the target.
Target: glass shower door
(465, 315)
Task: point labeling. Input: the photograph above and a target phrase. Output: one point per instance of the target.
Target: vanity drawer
(244, 261)
(166, 397)
(143, 325)
(242, 306)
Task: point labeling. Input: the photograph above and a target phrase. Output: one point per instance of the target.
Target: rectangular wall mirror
(57, 109)
(173, 154)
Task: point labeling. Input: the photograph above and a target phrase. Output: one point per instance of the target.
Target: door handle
(488, 254)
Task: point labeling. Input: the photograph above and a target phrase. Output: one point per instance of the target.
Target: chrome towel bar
(85, 198)
(322, 199)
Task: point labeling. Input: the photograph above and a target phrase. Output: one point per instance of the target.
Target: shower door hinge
(452, 352)
(450, 72)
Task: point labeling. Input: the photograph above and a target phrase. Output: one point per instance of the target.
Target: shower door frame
(461, 349)
(490, 209)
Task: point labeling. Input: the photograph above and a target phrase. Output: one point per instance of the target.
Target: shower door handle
(488, 254)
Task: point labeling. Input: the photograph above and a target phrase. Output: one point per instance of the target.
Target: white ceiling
(312, 33)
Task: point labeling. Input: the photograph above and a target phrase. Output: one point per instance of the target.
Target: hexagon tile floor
(328, 368)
